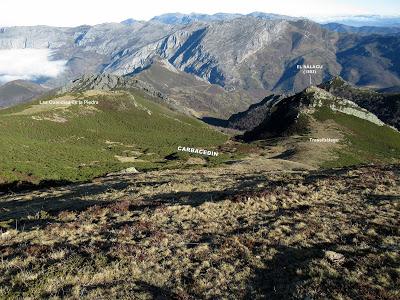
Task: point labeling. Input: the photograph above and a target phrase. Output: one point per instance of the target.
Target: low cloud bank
(29, 64)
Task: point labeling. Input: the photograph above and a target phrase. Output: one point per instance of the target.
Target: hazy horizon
(318, 19)
(74, 13)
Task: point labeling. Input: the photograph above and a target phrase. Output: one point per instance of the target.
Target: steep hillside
(370, 61)
(254, 115)
(19, 91)
(79, 135)
(179, 90)
(197, 96)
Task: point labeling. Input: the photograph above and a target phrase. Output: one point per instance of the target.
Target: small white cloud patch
(28, 64)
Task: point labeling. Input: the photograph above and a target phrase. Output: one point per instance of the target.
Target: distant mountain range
(255, 54)
(185, 19)
(353, 21)
(361, 29)
(363, 20)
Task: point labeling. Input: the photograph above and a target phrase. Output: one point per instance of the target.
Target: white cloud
(29, 64)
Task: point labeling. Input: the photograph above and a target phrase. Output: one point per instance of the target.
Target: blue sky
(77, 12)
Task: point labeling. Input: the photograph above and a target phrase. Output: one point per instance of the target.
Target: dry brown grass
(209, 234)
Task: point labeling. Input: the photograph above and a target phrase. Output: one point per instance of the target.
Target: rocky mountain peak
(319, 98)
(334, 83)
(287, 112)
(129, 21)
(386, 106)
(109, 82)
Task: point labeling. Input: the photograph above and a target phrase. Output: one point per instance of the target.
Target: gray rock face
(341, 105)
(334, 257)
(38, 37)
(246, 52)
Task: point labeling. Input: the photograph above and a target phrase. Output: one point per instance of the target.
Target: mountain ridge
(386, 106)
(19, 91)
(317, 127)
(264, 56)
(185, 19)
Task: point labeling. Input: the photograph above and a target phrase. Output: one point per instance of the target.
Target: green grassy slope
(365, 142)
(79, 142)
